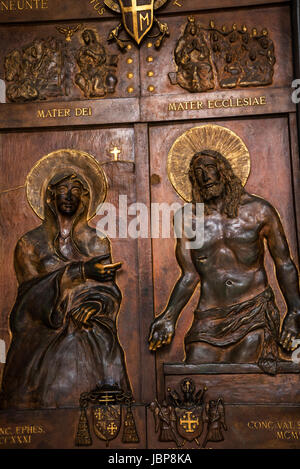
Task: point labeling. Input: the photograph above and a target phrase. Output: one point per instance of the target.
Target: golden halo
(81, 163)
(206, 137)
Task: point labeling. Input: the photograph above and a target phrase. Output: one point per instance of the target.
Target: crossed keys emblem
(138, 19)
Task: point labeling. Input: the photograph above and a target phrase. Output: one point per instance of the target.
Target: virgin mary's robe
(52, 359)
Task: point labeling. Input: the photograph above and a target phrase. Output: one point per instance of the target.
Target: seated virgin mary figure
(63, 323)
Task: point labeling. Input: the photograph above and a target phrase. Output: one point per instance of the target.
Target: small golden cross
(115, 152)
(189, 424)
(112, 428)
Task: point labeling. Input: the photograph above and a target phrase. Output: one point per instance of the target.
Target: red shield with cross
(137, 17)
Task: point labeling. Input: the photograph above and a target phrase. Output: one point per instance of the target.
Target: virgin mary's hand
(83, 314)
(95, 270)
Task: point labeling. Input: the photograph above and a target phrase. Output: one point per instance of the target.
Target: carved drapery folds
(68, 300)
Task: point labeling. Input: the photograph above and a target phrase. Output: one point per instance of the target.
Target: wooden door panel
(127, 114)
(21, 151)
(268, 142)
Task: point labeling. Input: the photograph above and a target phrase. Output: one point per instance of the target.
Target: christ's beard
(212, 192)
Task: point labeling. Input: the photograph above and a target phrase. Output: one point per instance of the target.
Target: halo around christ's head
(206, 137)
(77, 162)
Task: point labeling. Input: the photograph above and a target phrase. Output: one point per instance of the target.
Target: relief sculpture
(108, 403)
(236, 320)
(192, 56)
(215, 418)
(96, 77)
(35, 71)
(211, 58)
(63, 323)
(138, 21)
(242, 58)
(52, 68)
(185, 419)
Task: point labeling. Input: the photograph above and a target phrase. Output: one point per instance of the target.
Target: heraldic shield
(108, 402)
(107, 421)
(189, 410)
(137, 17)
(189, 422)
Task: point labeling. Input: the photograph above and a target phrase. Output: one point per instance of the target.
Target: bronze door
(87, 93)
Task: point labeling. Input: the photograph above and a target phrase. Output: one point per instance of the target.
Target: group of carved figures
(68, 299)
(49, 68)
(236, 56)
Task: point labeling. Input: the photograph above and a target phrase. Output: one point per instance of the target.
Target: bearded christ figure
(236, 320)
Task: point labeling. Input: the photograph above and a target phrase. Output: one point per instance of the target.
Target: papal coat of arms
(138, 19)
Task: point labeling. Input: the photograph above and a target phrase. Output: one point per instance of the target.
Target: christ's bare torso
(230, 264)
(231, 261)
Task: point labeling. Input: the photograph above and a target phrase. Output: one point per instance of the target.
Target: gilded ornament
(138, 20)
(206, 137)
(80, 162)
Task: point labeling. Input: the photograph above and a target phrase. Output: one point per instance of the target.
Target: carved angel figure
(165, 421)
(215, 418)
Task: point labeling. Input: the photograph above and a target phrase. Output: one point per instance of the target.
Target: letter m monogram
(137, 17)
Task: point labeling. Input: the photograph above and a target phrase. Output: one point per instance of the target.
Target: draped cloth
(227, 326)
(53, 356)
(51, 360)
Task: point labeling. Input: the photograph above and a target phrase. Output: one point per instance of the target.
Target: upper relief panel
(57, 62)
(151, 61)
(212, 57)
(221, 50)
(231, 61)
